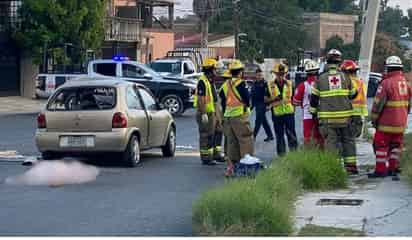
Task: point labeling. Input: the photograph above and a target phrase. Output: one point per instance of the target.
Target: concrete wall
(159, 44)
(28, 74)
(322, 26)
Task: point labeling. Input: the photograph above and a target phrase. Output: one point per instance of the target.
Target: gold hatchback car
(93, 116)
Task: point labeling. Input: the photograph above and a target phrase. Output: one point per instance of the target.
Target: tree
(391, 22)
(349, 51)
(205, 9)
(385, 46)
(273, 28)
(334, 6)
(51, 23)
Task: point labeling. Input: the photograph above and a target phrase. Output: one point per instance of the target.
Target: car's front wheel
(131, 156)
(169, 148)
(173, 104)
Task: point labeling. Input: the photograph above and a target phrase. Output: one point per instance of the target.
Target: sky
(187, 4)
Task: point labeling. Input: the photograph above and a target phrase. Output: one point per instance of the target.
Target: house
(322, 26)
(219, 46)
(132, 29)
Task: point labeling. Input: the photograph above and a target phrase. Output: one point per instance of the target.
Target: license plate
(77, 141)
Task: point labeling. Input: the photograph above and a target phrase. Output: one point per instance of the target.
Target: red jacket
(392, 103)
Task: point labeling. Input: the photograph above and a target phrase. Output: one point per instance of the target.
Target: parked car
(175, 94)
(46, 83)
(94, 115)
(180, 68)
(374, 81)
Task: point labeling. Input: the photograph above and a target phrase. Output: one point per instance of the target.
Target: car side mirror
(147, 76)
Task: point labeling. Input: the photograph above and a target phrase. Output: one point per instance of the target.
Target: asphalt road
(153, 199)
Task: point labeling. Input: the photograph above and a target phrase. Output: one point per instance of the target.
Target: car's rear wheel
(173, 104)
(169, 148)
(131, 156)
(50, 156)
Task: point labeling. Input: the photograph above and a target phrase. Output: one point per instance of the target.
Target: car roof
(169, 60)
(114, 61)
(97, 81)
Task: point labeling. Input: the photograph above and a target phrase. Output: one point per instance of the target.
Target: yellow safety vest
(285, 107)
(234, 106)
(210, 106)
(359, 104)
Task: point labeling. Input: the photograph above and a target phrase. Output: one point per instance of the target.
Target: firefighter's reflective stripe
(315, 91)
(234, 107)
(391, 129)
(350, 160)
(210, 107)
(397, 103)
(334, 120)
(334, 93)
(339, 114)
(285, 106)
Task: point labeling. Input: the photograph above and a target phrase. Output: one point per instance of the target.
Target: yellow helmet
(236, 65)
(209, 63)
(280, 67)
(227, 74)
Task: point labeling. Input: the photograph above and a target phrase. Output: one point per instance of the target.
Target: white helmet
(393, 61)
(334, 52)
(311, 66)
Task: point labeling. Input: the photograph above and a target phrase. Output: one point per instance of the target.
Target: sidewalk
(385, 211)
(18, 105)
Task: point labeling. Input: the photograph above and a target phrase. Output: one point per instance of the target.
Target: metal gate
(9, 70)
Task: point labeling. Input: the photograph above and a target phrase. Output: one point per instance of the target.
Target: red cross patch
(335, 82)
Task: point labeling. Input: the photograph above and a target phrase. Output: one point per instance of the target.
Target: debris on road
(55, 173)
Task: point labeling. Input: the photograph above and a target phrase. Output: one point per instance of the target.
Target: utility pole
(236, 24)
(369, 25)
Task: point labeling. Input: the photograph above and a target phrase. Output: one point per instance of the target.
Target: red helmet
(349, 66)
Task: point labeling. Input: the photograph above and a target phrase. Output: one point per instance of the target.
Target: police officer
(206, 101)
(279, 95)
(331, 103)
(236, 110)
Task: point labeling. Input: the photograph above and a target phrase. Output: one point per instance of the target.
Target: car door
(189, 70)
(134, 73)
(158, 119)
(137, 115)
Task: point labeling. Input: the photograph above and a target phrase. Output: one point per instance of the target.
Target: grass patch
(311, 230)
(264, 206)
(406, 159)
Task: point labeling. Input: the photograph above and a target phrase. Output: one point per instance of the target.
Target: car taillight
(119, 120)
(41, 121)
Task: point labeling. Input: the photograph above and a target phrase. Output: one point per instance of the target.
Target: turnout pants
(285, 124)
(207, 136)
(218, 138)
(311, 133)
(261, 120)
(388, 146)
(239, 137)
(340, 139)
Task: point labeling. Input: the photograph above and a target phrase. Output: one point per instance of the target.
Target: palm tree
(205, 9)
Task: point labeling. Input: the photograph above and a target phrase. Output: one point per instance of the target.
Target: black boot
(268, 139)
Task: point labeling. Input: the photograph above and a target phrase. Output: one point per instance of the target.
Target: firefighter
(389, 116)
(206, 101)
(235, 101)
(331, 102)
(279, 95)
(359, 104)
(311, 134)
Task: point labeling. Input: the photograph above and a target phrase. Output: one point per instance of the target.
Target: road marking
(11, 156)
